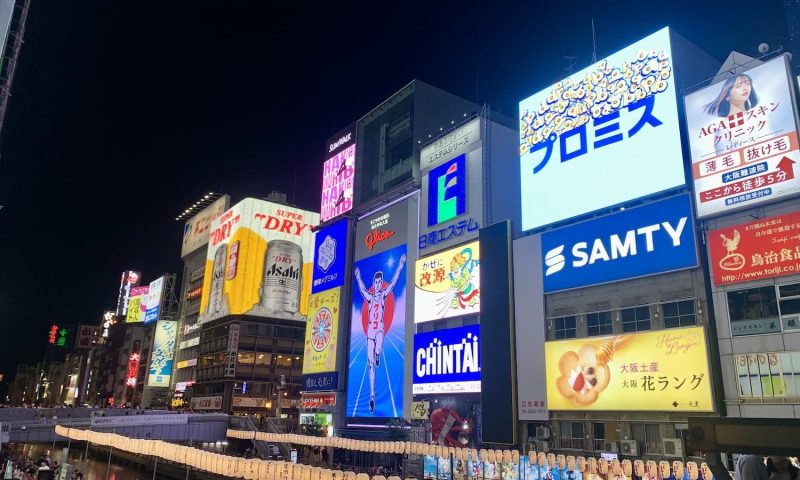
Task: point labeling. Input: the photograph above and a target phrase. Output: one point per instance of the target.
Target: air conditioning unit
(610, 447)
(542, 433)
(673, 447)
(542, 447)
(629, 447)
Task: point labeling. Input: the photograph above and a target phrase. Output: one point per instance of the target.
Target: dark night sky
(124, 113)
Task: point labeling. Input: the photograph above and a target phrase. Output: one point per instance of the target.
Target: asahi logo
(286, 271)
(338, 143)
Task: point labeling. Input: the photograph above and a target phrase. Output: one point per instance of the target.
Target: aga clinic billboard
(338, 174)
(321, 332)
(137, 305)
(665, 370)
(758, 250)
(447, 284)
(447, 361)
(451, 200)
(655, 238)
(195, 231)
(615, 120)
(260, 257)
(163, 356)
(743, 138)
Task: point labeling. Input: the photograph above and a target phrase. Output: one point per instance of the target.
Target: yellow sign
(321, 326)
(447, 284)
(419, 410)
(665, 370)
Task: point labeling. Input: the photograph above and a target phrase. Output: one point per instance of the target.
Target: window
(565, 327)
(283, 361)
(247, 358)
(598, 436)
(572, 435)
(648, 435)
(789, 302)
(679, 314)
(768, 375)
(636, 319)
(754, 311)
(264, 359)
(598, 323)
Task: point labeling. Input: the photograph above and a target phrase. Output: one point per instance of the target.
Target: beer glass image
(216, 298)
(282, 282)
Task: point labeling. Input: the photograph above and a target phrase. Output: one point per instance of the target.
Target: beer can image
(216, 299)
(282, 282)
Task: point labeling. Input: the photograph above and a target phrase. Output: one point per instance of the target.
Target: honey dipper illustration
(585, 374)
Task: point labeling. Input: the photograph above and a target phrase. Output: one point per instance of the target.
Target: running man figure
(377, 306)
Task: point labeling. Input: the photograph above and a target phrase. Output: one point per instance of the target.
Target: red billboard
(766, 248)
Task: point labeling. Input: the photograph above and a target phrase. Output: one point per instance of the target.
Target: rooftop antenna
(594, 44)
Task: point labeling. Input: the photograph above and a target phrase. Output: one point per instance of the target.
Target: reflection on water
(95, 467)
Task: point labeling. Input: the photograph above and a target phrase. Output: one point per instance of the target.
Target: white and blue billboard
(602, 136)
(330, 250)
(447, 361)
(654, 238)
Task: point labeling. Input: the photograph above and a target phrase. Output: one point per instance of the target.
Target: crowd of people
(26, 467)
(755, 467)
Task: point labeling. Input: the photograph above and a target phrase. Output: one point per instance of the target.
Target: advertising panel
(447, 361)
(382, 230)
(250, 402)
(316, 400)
(665, 370)
(451, 190)
(743, 138)
(765, 248)
(654, 238)
(321, 382)
(129, 280)
(260, 257)
(163, 356)
(617, 119)
(87, 336)
(338, 174)
(233, 349)
(154, 295)
(321, 328)
(330, 247)
(447, 284)
(206, 403)
(137, 305)
(322, 421)
(377, 335)
(196, 229)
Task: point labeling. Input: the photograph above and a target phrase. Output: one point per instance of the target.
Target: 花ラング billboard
(665, 370)
(259, 262)
(321, 328)
(338, 174)
(196, 229)
(451, 203)
(617, 119)
(743, 138)
(447, 284)
(163, 356)
(129, 280)
(154, 295)
(654, 238)
(447, 361)
(137, 305)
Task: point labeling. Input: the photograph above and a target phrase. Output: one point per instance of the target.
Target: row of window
(253, 358)
(676, 314)
(573, 436)
(768, 375)
(770, 309)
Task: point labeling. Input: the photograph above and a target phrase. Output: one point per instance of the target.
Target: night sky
(123, 114)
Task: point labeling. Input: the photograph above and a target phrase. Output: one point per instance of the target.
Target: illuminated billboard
(377, 335)
(128, 280)
(338, 174)
(155, 293)
(743, 138)
(615, 120)
(447, 284)
(665, 370)
(321, 328)
(196, 229)
(330, 248)
(137, 305)
(447, 361)
(260, 257)
(163, 356)
(654, 238)
(765, 248)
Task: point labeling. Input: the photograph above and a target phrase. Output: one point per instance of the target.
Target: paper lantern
(378, 477)
(515, 456)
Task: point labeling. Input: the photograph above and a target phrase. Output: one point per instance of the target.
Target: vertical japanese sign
(665, 370)
(137, 306)
(321, 327)
(155, 293)
(233, 350)
(743, 137)
(581, 136)
(163, 356)
(129, 280)
(451, 190)
(338, 174)
(447, 284)
(766, 248)
(197, 228)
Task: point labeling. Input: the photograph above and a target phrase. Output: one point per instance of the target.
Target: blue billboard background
(646, 240)
(330, 250)
(453, 336)
(320, 382)
(389, 372)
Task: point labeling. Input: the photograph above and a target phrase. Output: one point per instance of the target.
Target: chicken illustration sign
(765, 248)
(664, 370)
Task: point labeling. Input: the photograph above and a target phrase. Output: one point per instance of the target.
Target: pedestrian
(751, 467)
(325, 456)
(781, 468)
